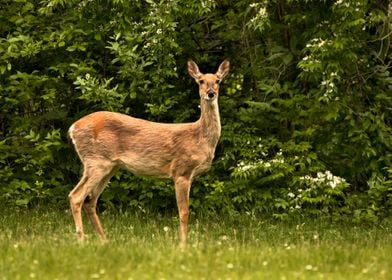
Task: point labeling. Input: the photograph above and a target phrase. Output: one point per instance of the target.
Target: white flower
(224, 237)
(321, 43)
(263, 12)
(329, 175)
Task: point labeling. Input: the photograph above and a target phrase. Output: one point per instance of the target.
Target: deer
(106, 141)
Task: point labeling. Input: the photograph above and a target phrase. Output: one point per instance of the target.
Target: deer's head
(208, 83)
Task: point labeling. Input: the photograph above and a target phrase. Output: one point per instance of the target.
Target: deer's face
(208, 86)
(208, 83)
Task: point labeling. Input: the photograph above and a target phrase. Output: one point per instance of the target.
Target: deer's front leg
(183, 186)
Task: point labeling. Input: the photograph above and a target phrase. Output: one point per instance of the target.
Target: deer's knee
(184, 214)
(74, 201)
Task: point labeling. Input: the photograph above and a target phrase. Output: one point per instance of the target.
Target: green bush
(306, 106)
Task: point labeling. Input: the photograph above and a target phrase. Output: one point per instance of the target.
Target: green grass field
(40, 244)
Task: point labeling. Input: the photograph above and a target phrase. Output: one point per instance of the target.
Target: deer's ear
(193, 70)
(223, 69)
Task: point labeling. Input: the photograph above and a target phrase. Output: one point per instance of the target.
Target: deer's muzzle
(210, 95)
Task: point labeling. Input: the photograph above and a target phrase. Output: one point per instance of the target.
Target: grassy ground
(42, 245)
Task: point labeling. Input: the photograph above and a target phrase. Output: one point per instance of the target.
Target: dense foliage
(306, 111)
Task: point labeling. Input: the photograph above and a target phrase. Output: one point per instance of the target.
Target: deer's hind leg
(90, 205)
(93, 177)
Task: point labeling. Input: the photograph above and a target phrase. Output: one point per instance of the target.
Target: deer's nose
(211, 94)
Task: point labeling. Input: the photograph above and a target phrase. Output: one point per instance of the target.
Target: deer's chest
(191, 164)
(203, 162)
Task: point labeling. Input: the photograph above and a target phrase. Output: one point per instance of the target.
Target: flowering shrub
(322, 192)
(244, 169)
(290, 192)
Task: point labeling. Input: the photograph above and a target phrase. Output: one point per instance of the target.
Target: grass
(40, 244)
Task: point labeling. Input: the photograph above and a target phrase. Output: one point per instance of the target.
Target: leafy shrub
(306, 106)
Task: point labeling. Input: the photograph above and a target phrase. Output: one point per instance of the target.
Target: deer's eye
(218, 81)
(201, 82)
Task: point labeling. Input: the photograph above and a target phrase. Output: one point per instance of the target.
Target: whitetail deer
(107, 140)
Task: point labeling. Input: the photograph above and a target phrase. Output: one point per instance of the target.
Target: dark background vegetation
(306, 110)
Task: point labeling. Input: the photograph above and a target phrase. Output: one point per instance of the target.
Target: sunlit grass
(41, 245)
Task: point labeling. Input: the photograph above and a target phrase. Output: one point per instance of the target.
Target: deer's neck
(210, 126)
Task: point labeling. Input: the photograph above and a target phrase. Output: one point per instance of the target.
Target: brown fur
(105, 141)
